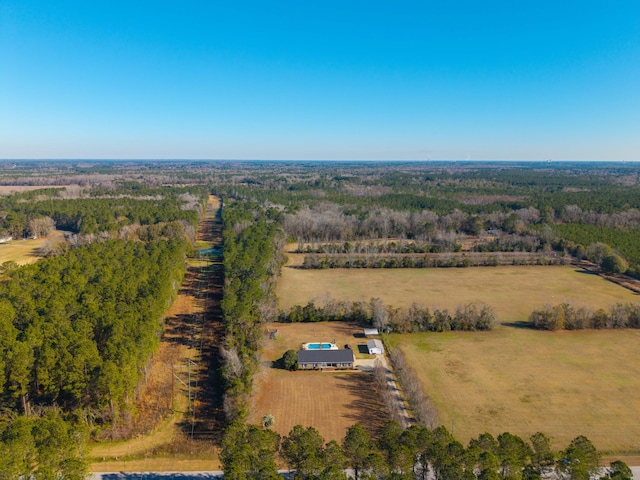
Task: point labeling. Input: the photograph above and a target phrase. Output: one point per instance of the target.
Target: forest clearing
(27, 251)
(523, 381)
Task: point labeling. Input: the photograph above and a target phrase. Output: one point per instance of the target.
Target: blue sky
(320, 80)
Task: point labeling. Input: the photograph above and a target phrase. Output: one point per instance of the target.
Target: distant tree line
(417, 452)
(94, 215)
(443, 260)
(376, 247)
(599, 242)
(566, 316)
(542, 204)
(415, 318)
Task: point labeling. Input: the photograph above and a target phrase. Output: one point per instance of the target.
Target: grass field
(329, 401)
(511, 379)
(513, 292)
(26, 251)
(522, 381)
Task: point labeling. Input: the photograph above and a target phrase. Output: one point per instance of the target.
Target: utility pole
(189, 362)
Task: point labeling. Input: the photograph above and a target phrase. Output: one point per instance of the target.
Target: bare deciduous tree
(41, 226)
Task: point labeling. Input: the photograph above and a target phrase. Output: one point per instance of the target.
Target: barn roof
(330, 356)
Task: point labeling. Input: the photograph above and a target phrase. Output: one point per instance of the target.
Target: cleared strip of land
(522, 381)
(513, 292)
(190, 336)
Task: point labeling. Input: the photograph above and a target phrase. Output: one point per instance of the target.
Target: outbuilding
(375, 347)
(368, 332)
(316, 359)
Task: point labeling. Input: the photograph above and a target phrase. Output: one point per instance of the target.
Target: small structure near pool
(325, 358)
(375, 347)
(370, 331)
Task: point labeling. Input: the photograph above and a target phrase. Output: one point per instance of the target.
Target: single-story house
(370, 331)
(310, 359)
(375, 347)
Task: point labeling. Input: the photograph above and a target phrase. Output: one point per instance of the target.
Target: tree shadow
(585, 271)
(521, 324)
(367, 407)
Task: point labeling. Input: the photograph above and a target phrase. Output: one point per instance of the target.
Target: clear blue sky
(324, 79)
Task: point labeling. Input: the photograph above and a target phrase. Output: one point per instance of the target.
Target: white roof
(371, 331)
(374, 344)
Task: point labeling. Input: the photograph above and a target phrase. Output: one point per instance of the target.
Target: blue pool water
(318, 346)
(210, 251)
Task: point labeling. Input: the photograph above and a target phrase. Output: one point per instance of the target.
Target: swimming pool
(319, 346)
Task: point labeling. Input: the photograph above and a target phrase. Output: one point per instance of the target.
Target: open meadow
(26, 251)
(522, 381)
(513, 292)
(510, 379)
(329, 401)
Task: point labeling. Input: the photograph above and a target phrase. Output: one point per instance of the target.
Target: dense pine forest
(79, 327)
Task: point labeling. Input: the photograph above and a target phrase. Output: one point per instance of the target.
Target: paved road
(201, 475)
(170, 475)
(155, 475)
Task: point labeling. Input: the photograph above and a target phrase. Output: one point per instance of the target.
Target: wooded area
(77, 329)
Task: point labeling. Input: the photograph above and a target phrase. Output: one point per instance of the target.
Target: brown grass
(330, 402)
(26, 251)
(522, 381)
(159, 464)
(513, 292)
(564, 384)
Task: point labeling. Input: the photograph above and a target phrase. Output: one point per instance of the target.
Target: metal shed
(375, 347)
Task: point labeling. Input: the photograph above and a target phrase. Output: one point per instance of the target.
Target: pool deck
(319, 346)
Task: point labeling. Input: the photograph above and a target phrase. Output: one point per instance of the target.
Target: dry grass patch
(26, 251)
(522, 381)
(159, 464)
(291, 336)
(513, 292)
(329, 401)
